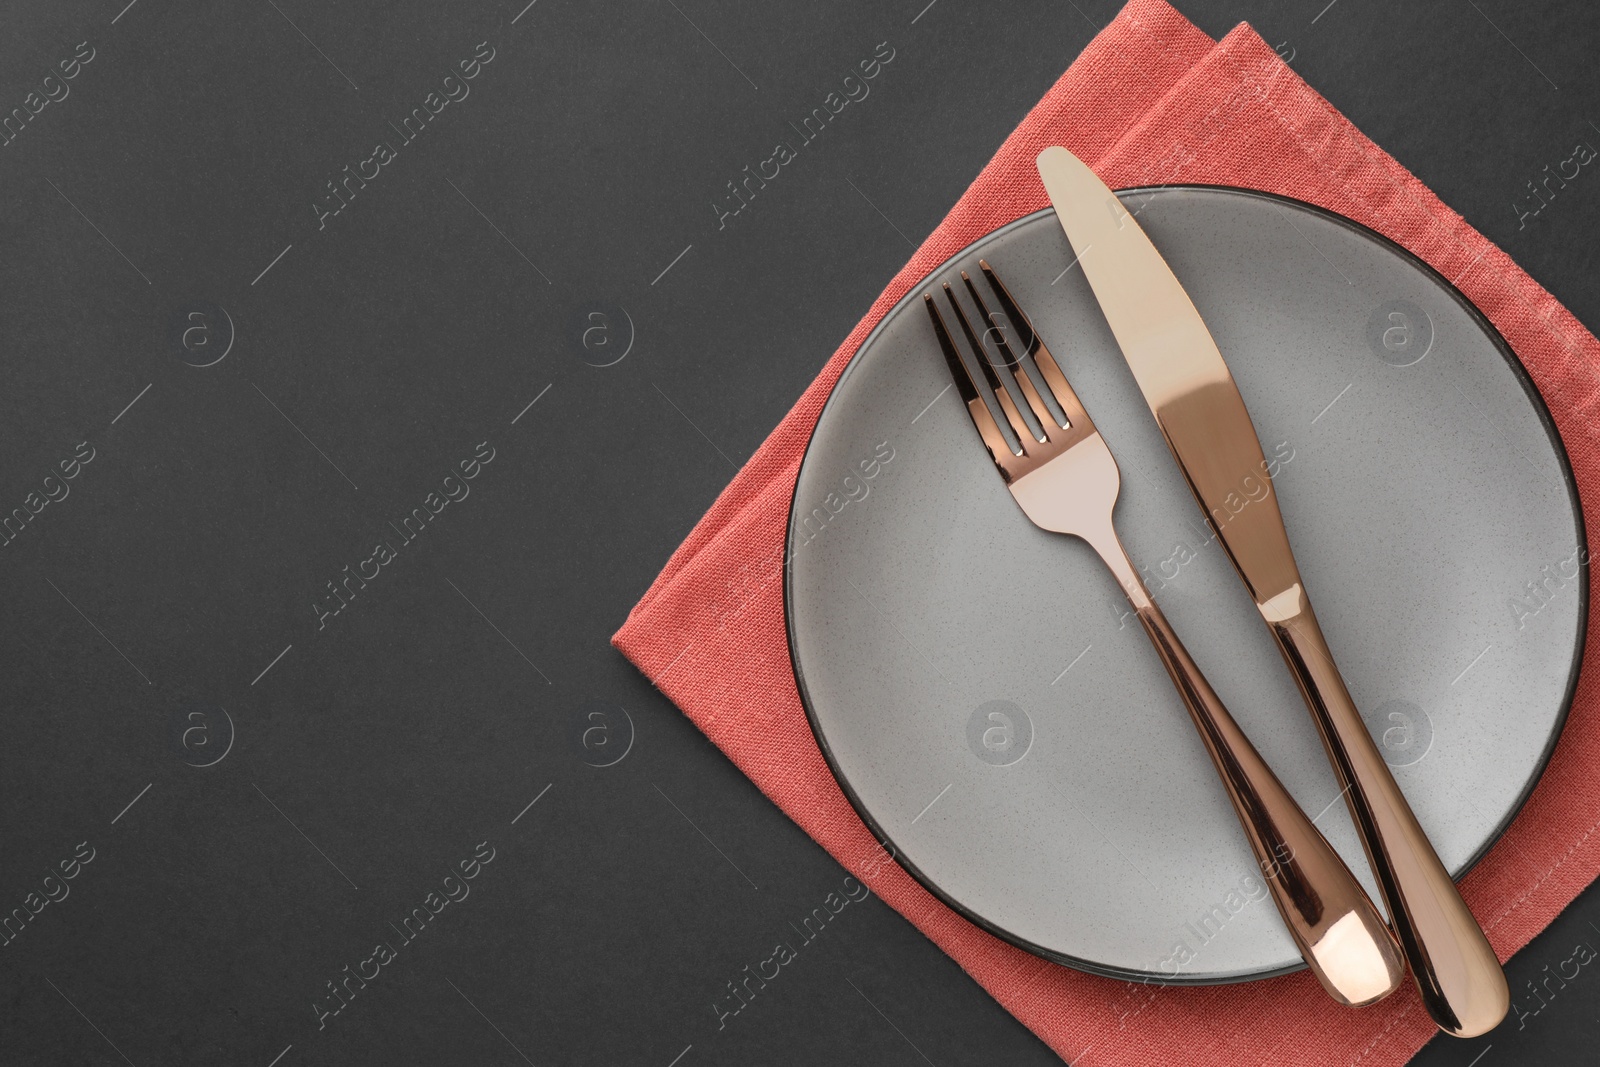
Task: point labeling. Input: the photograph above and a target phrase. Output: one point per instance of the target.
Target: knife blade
(1203, 417)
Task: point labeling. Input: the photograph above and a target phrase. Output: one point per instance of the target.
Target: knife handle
(1338, 931)
(1461, 981)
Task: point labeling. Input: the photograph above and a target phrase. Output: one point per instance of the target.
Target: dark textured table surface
(243, 347)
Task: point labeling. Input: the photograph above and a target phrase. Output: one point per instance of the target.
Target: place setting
(1172, 596)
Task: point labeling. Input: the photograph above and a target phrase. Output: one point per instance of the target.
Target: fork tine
(1007, 405)
(1054, 380)
(1013, 362)
(966, 388)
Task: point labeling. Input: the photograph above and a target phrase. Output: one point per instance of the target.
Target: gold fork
(1066, 481)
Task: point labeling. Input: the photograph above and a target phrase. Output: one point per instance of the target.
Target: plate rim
(1519, 372)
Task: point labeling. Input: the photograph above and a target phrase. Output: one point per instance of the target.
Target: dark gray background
(372, 755)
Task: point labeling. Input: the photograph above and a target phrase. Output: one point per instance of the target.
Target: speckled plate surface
(997, 718)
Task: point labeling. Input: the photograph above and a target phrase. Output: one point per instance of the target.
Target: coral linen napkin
(1151, 100)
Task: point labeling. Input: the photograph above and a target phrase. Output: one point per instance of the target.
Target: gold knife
(1203, 418)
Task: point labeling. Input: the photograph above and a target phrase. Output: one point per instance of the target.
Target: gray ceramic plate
(996, 717)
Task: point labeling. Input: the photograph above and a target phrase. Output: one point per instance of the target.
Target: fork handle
(1339, 933)
(1462, 983)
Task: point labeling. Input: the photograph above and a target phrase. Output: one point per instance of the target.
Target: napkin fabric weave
(1151, 100)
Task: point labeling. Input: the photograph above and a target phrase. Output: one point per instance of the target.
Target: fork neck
(1108, 546)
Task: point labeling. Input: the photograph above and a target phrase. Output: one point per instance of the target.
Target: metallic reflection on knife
(1203, 418)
